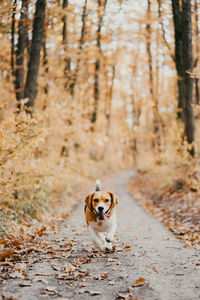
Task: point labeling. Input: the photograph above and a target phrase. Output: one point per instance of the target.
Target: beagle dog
(100, 216)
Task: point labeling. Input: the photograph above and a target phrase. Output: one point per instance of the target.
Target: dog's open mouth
(102, 216)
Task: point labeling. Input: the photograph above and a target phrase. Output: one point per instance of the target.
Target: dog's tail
(98, 185)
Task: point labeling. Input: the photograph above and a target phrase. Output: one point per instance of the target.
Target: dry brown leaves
(139, 282)
(177, 206)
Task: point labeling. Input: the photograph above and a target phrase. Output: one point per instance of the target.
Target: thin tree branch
(163, 29)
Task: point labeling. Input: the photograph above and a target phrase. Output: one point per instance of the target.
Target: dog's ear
(88, 201)
(114, 199)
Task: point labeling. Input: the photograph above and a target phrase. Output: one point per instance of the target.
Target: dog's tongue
(101, 216)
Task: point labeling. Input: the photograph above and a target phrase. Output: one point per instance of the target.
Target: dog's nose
(100, 209)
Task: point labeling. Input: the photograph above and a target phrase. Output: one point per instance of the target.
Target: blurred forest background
(92, 86)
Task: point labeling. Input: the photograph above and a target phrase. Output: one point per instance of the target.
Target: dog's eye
(96, 200)
(107, 200)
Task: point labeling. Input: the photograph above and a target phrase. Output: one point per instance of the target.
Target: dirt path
(146, 249)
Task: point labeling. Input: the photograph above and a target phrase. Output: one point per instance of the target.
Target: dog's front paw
(103, 246)
(109, 246)
(106, 246)
(110, 238)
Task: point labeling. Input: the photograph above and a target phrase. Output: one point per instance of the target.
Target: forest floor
(148, 261)
(176, 205)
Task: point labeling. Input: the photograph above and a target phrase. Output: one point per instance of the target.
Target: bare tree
(13, 38)
(177, 18)
(33, 67)
(163, 29)
(197, 52)
(97, 63)
(156, 120)
(64, 33)
(45, 64)
(21, 45)
(81, 43)
(187, 54)
(184, 65)
(110, 96)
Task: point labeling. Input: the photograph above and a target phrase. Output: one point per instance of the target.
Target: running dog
(100, 216)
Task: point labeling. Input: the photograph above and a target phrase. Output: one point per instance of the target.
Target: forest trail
(145, 250)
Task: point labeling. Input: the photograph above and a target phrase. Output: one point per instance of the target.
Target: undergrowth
(45, 159)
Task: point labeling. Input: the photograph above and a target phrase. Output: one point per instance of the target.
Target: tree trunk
(97, 63)
(197, 53)
(187, 54)
(163, 30)
(33, 67)
(21, 45)
(65, 3)
(81, 42)
(151, 80)
(45, 65)
(177, 19)
(108, 111)
(13, 38)
(64, 33)
(184, 65)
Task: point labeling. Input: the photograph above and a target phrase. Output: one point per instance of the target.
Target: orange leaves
(125, 296)
(140, 281)
(101, 276)
(6, 253)
(41, 231)
(154, 269)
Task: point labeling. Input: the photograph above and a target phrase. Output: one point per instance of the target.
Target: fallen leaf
(43, 274)
(51, 289)
(40, 280)
(68, 244)
(154, 269)
(125, 296)
(56, 267)
(16, 274)
(140, 281)
(69, 268)
(6, 253)
(81, 275)
(95, 293)
(24, 284)
(83, 284)
(41, 231)
(63, 276)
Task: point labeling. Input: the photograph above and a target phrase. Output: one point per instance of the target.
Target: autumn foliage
(106, 99)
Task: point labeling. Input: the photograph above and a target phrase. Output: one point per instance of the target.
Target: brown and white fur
(100, 216)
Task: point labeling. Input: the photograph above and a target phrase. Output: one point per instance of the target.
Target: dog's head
(101, 203)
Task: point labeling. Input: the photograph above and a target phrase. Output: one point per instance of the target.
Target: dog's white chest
(103, 225)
